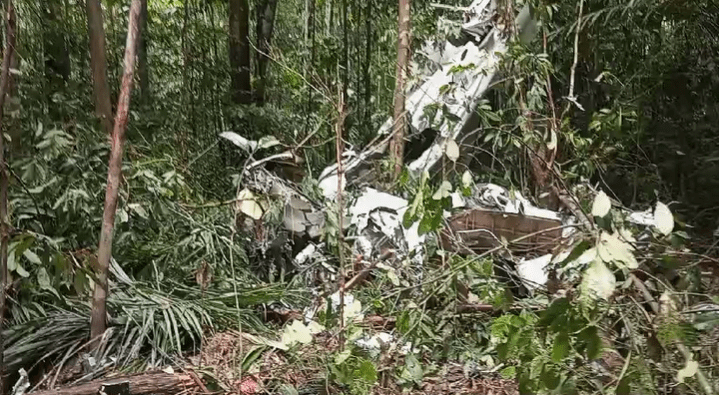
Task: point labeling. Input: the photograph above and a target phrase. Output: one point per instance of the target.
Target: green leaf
(32, 257)
(444, 191)
(601, 205)
(613, 250)
(21, 271)
(557, 309)
(367, 371)
(248, 205)
(598, 282)
(560, 349)
(412, 370)
(267, 142)
(467, 179)
(663, 219)
(342, 356)
(452, 150)
(297, 332)
(550, 377)
(577, 251)
(590, 337)
(509, 373)
(43, 279)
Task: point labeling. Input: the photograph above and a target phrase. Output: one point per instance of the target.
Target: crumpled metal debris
(378, 220)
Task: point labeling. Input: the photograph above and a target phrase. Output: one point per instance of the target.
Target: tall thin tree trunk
(143, 71)
(328, 16)
(240, 51)
(98, 60)
(4, 177)
(310, 68)
(367, 65)
(99, 307)
(403, 61)
(266, 12)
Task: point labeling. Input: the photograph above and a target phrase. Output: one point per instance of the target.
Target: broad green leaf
(11, 263)
(342, 356)
(248, 205)
(593, 342)
(509, 373)
(239, 141)
(32, 257)
(295, 333)
(21, 271)
(688, 371)
(43, 279)
(560, 349)
(663, 219)
(452, 150)
(612, 250)
(138, 209)
(601, 205)
(467, 179)
(412, 369)
(444, 190)
(267, 142)
(598, 281)
(367, 371)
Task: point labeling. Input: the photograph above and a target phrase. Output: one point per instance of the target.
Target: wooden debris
(477, 230)
(159, 383)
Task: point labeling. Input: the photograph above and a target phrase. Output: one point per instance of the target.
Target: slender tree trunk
(98, 60)
(99, 308)
(266, 12)
(367, 65)
(310, 68)
(403, 61)
(143, 71)
(328, 16)
(240, 51)
(4, 176)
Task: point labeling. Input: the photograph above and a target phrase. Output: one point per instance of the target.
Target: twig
(213, 204)
(283, 155)
(364, 272)
(340, 213)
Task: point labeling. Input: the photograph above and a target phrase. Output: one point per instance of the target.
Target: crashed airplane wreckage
(487, 220)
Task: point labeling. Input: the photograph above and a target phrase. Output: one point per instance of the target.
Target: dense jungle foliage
(631, 86)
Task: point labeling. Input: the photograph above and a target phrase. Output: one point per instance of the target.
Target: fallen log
(160, 383)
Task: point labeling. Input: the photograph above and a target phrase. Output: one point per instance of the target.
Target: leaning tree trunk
(403, 61)
(240, 51)
(4, 176)
(99, 308)
(98, 60)
(266, 12)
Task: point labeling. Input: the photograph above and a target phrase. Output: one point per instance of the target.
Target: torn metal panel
(467, 89)
(378, 219)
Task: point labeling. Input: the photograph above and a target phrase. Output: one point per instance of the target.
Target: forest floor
(304, 370)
